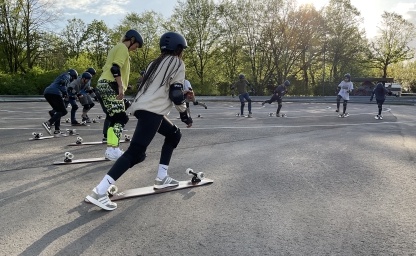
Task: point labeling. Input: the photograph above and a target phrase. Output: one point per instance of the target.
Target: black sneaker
(47, 127)
(104, 140)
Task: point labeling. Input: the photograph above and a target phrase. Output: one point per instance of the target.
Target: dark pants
(279, 102)
(148, 124)
(380, 106)
(58, 105)
(74, 108)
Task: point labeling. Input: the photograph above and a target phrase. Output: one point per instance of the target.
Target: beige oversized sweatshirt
(156, 98)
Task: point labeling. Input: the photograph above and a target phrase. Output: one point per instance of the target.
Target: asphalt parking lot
(307, 184)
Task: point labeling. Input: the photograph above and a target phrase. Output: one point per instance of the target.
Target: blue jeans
(247, 98)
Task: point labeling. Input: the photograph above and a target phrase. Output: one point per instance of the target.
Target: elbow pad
(115, 70)
(176, 94)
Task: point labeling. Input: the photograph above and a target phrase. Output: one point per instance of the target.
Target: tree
(98, 42)
(22, 24)
(75, 36)
(345, 42)
(392, 45)
(37, 15)
(197, 20)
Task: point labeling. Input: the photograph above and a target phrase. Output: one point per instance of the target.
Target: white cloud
(96, 7)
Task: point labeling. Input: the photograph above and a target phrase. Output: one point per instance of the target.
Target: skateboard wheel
(74, 130)
(189, 171)
(112, 190)
(34, 133)
(200, 175)
(127, 137)
(69, 155)
(79, 139)
(40, 134)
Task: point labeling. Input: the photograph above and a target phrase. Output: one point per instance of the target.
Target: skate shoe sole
(100, 204)
(48, 130)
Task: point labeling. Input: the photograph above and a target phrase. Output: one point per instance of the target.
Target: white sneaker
(111, 154)
(118, 151)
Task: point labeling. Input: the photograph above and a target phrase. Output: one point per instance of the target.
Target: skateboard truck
(37, 135)
(271, 114)
(94, 121)
(99, 116)
(200, 116)
(68, 157)
(237, 114)
(67, 120)
(79, 140)
(127, 137)
(71, 131)
(197, 177)
(112, 190)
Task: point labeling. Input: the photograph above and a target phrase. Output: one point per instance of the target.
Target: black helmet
(133, 33)
(347, 76)
(73, 73)
(86, 75)
(91, 71)
(286, 83)
(241, 76)
(171, 40)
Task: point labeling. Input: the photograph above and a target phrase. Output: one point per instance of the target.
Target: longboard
(39, 136)
(42, 138)
(146, 191)
(82, 161)
(94, 143)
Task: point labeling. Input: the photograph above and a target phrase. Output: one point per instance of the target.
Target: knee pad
(92, 105)
(345, 103)
(173, 137)
(249, 100)
(120, 118)
(87, 107)
(279, 104)
(243, 104)
(75, 107)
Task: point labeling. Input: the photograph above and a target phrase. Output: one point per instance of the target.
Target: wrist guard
(185, 118)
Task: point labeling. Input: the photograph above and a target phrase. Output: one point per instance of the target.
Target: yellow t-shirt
(119, 55)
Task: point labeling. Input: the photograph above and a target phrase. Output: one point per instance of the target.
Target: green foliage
(31, 83)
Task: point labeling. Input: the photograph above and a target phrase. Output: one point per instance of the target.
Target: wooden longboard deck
(94, 143)
(82, 161)
(137, 192)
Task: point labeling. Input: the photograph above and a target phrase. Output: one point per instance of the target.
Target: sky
(112, 11)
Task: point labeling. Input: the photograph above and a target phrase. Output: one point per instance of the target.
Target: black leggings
(148, 124)
(380, 106)
(57, 104)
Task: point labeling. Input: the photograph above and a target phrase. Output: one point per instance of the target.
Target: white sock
(163, 171)
(105, 184)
